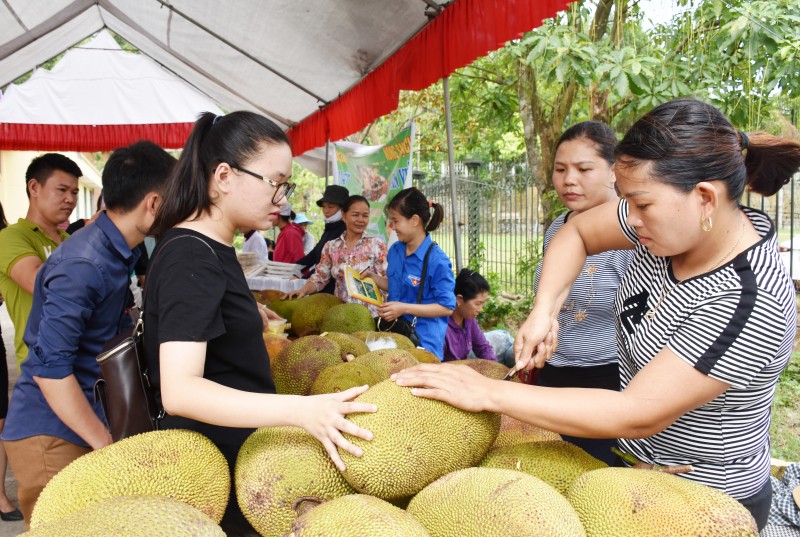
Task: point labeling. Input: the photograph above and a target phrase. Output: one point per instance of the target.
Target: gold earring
(706, 223)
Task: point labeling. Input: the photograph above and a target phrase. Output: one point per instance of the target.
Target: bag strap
(422, 280)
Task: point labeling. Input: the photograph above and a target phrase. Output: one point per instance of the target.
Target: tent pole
(451, 167)
(327, 161)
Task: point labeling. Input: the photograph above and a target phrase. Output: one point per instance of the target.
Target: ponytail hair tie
(744, 141)
(214, 121)
(430, 203)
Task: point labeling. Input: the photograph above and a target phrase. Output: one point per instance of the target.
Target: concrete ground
(10, 529)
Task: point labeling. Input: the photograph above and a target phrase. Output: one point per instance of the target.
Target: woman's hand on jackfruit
(323, 417)
(457, 385)
(536, 341)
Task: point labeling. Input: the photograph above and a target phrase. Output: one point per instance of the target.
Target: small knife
(513, 372)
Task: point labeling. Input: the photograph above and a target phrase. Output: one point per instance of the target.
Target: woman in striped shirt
(706, 313)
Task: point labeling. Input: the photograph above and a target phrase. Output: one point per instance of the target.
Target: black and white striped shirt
(588, 312)
(736, 324)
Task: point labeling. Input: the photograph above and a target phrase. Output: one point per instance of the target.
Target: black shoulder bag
(401, 325)
(124, 390)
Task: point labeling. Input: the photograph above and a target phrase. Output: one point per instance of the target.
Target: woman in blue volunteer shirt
(412, 217)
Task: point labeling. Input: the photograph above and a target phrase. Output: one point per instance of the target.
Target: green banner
(377, 172)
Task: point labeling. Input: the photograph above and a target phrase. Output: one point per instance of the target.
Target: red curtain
(30, 137)
(464, 31)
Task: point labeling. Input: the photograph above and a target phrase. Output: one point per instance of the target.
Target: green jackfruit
(555, 462)
(386, 362)
(347, 318)
(416, 441)
(183, 465)
(276, 467)
(487, 368)
(309, 312)
(341, 377)
(132, 516)
(492, 502)
(296, 367)
(514, 431)
(423, 356)
(350, 345)
(357, 514)
(624, 502)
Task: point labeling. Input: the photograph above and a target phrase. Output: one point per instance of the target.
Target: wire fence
(498, 212)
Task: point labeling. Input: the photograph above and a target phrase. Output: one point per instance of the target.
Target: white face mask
(335, 218)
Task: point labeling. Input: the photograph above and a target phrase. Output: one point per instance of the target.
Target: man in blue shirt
(79, 300)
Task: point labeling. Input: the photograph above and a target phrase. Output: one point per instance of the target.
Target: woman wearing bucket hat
(332, 201)
(308, 239)
(289, 245)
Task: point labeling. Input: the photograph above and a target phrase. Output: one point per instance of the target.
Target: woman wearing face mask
(332, 201)
(355, 248)
(583, 179)
(706, 313)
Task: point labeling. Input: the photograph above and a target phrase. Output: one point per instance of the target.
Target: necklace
(651, 313)
(582, 313)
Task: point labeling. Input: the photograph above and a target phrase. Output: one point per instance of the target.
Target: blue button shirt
(78, 304)
(404, 274)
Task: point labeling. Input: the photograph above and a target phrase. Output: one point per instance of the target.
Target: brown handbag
(124, 390)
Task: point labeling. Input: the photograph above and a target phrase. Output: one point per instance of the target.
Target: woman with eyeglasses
(203, 340)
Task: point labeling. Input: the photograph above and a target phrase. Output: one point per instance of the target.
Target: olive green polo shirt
(18, 241)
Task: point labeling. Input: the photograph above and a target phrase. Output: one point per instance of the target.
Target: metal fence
(499, 221)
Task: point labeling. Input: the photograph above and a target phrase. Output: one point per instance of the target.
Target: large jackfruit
(347, 318)
(514, 431)
(295, 368)
(308, 313)
(424, 356)
(276, 467)
(132, 516)
(624, 502)
(487, 368)
(341, 377)
(492, 502)
(183, 465)
(556, 462)
(386, 362)
(415, 442)
(351, 346)
(357, 514)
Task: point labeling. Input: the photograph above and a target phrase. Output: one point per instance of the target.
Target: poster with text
(376, 172)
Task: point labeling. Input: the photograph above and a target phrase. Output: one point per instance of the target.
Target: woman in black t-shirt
(204, 332)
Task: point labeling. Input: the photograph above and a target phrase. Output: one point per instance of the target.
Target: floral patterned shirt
(368, 254)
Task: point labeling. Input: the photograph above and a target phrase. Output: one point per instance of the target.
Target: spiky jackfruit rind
(415, 442)
(514, 431)
(277, 466)
(296, 367)
(493, 502)
(386, 362)
(623, 502)
(348, 343)
(357, 514)
(347, 318)
(181, 464)
(309, 311)
(132, 516)
(341, 377)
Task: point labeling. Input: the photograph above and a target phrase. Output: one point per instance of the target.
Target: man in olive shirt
(52, 188)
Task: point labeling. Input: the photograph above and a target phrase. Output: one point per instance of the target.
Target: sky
(659, 11)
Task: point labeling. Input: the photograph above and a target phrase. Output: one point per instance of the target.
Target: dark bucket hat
(336, 194)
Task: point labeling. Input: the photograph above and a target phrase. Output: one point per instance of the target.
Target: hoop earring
(706, 223)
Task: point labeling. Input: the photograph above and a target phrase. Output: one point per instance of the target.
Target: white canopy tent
(320, 68)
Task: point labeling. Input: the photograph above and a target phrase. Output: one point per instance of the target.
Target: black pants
(601, 376)
(758, 504)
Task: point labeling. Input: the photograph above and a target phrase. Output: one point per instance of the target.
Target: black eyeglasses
(281, 189)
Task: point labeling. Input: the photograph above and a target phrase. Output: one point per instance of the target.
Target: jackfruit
(276, 467)
(622, 502)
(492, 502)
(132, 516)
(401, 341)
(351, 346)
(386, 362)
(284, 308)
(424, 357)
(487, 368)
(309, 311)
(341, 377)
(274, 343)
(295, 369)
(183, 465)
(514, 431)
(415, 442)
(357, 514)
(555, 462)
(347, 318)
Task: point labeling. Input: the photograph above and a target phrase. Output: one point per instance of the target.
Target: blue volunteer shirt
(79, 301)
(404, 273)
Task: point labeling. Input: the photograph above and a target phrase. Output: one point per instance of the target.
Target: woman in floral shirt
(355, 248)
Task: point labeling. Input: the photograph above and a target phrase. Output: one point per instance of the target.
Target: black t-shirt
(194, 295)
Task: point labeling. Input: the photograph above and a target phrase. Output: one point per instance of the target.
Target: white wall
(12, 184)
